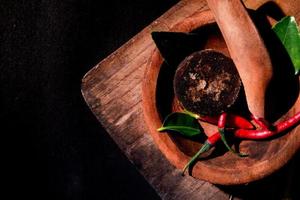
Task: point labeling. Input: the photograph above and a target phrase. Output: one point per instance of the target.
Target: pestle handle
(246, 49)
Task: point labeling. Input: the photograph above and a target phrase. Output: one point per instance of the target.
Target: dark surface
(55, 148)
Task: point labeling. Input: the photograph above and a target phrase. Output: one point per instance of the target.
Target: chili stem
(191, 114)
(223, 138)
(221, 128)
(205, 147)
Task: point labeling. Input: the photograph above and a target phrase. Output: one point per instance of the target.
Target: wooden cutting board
(112, 90)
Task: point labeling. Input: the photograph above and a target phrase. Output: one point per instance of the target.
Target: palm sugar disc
(207, 82)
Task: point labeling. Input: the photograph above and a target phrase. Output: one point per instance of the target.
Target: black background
(54, 148)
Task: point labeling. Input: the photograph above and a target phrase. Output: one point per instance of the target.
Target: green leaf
(182, 123)
(287, 31)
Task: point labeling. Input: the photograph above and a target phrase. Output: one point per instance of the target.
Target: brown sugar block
(207, 82)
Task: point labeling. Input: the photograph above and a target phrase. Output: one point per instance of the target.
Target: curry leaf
(182, 123)
(287, 31)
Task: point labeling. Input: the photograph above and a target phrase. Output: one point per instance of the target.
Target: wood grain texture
(112, 89)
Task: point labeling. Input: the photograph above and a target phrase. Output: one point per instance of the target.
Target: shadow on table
(280, 185)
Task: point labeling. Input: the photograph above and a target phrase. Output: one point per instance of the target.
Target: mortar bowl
(216, 166)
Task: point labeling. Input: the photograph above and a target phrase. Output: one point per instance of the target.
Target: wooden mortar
(223, 168)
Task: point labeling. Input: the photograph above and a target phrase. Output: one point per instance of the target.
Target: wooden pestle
(247, 50)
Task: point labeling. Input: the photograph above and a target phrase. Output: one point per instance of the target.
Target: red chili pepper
(232, 121)
(266, 133)
(260, 121)
(222, 121)
(213, 139)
